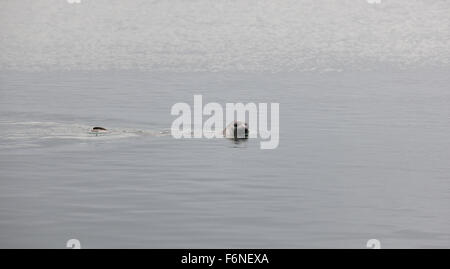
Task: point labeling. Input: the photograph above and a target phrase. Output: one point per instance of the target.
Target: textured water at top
(203, 35)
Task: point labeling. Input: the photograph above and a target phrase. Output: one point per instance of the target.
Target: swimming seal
(236, 130)
(99, 129)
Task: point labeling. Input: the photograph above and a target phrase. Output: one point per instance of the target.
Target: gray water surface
(364, 123)
(361, 155)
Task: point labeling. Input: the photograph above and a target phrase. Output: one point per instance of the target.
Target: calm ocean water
(364, 124)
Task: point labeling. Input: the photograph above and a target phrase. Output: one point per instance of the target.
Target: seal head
(236, 130)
